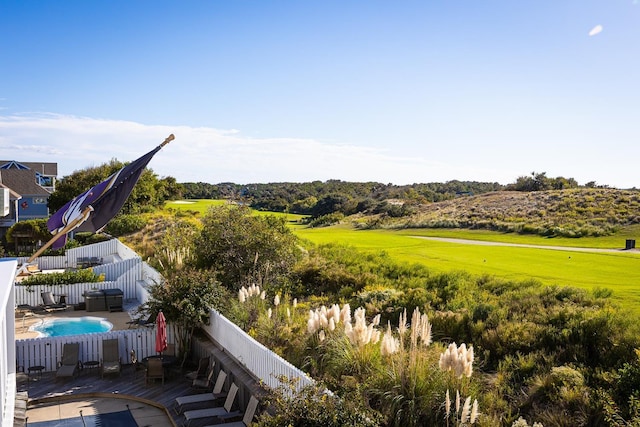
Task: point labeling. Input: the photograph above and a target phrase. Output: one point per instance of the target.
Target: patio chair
(203, 383)
(111, 363)
(217, 411)
(216, 394)
(70, 363)
(135, 363)
(155, 370)
(50, 304)
(203, 365)
(170, 350)
(247, 418)
(140, 321)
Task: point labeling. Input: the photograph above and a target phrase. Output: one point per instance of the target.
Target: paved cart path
(523, 245)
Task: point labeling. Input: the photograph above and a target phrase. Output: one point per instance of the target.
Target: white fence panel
(150, 275)
(49, 262)
(127, 270)
(125, 252)
(262, 362)
(47, 351)
(95, 250)
(74, 293)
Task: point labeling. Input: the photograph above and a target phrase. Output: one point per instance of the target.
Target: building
(29, 185)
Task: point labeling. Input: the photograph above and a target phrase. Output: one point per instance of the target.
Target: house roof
(12, 193)
(20, 177)
(50, 169)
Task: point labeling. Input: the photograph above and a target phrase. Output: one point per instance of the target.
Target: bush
(316, 407)
(125, 224)
(64, 278)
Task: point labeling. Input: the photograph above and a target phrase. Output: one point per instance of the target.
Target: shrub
(63, 278)
(125, 224)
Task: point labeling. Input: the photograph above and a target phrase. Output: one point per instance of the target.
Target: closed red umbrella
(161, 333)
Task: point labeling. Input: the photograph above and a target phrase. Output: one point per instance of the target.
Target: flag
(93, 209)
(161, 333)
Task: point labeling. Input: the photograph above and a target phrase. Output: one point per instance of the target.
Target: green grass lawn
(618, 271)
(202, 205)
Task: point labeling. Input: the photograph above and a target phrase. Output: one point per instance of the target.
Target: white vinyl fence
(31, 295)
(255, 357)
(47, 351)
(108, 251)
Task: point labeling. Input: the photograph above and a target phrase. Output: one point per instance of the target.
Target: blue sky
(270, 91)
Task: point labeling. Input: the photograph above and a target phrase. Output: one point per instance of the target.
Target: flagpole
(167, 140)
(75, 223)
(69, 227)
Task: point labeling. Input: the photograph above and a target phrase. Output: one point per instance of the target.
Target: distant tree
(27, 236)
(334, 202)
(541, 182)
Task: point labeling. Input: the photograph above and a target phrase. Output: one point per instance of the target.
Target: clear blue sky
(270, 91)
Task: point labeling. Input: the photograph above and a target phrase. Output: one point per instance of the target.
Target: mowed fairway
(616, 270)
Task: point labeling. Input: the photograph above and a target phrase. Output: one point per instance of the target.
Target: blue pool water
(75, 326)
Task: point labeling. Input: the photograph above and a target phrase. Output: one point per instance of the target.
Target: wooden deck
(130, 383)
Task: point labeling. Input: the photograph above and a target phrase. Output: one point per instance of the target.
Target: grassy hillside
(567, 213)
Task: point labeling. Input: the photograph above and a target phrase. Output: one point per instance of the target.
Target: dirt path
(522, 245)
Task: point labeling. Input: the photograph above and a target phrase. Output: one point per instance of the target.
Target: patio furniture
(247, 419)
(70, 361)
(203, 365)
(49, 303)
(111, 363)
(216, 394)
(218, 411)
(37, 369)
(137, 366)
(170, 350)
(147, 321)
(155, 370)
(90, 365)
(203, 383)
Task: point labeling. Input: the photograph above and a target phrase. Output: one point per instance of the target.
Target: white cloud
(204, 154)
(595, 30)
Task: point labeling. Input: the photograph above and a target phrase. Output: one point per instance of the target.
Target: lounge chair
(111, 363)
(217, 393)
(217, 411)
(70, 363)
(203, 366)
(247, 418)
(33, 269)
(50, 304)
(147, 321)
(203, 383)
(155, 370)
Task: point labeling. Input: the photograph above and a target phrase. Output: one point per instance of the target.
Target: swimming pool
(75, 326)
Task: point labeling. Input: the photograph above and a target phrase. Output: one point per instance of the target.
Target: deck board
(128, 383)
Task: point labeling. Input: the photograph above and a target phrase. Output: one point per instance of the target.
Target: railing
(255, 357)
(105, 250)
(74, 293)
(47, 351)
